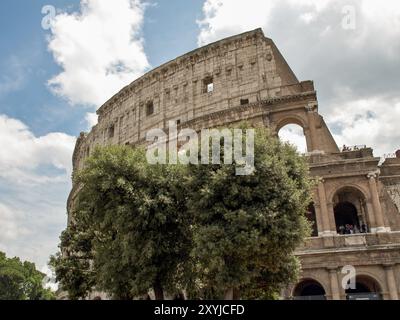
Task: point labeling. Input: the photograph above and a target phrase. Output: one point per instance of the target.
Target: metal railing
(364, 296)
(353, 148)
(389, 156)
(309, 298)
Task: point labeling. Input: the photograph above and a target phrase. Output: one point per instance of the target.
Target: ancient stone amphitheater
(356, 204)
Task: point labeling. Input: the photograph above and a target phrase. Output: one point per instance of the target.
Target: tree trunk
(228, 294)
(232, 294)
(158, 291)
(236, 294)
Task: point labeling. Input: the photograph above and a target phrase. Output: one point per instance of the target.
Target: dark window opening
(244, 102)
(309, 290)
(346, 218)
(311, 217)
(350, 212)
(111, 131)
(365, 289)
(178, 122)
(208, 85)
(149, 108)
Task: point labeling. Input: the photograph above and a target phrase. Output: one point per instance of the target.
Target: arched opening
(294, 134)
(346, 218)
(366, 288)
(311, 217)
(350, 211)
(309, 290)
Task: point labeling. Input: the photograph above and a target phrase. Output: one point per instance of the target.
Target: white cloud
(91, 119)
(34, 183)
(352, 69)
(8, 227)
(294, 134)
(224, 18)
(23, 154)
(100, 50)
(50, 279)
(374, 122)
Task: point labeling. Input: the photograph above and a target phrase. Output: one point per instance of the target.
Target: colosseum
(356, 204)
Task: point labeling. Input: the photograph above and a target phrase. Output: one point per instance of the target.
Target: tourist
(364, 228)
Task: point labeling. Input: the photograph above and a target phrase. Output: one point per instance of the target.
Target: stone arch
(373, 276)
(291, 119)
(368, 287)
(350, 209)
(295, 120)
(339, 187)
(309, 288)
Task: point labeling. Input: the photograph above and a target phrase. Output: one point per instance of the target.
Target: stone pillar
(311, 126)
(307, 134)
(331, 216)
(370, 215)
(334, 280)
(376, 205)
(326, 230)
(318, 217)
(391, 282)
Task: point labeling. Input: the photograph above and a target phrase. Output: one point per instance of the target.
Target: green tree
(201, 228)
(247, 227)
(21, 281)
(135, 220)
(72, 265)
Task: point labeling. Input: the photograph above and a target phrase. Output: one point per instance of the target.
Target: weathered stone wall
(394, 193)
(244, 67)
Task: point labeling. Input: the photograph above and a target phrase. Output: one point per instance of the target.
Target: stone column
(391, 282)
(311, 125)
(318, 217)
(334, 280)
(331, 217)
(380, 225)
(371, 217)
(326, 230)
(307, 135)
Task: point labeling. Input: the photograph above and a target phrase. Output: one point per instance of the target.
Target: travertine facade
(246, 78)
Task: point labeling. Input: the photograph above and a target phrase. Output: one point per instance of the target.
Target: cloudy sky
(55, 73)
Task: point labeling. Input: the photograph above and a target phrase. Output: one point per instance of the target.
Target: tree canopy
(201, 228)
(247, 227)
(136, 223)
(21, 281)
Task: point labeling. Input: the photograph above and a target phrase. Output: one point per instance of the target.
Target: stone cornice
(258, 108)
